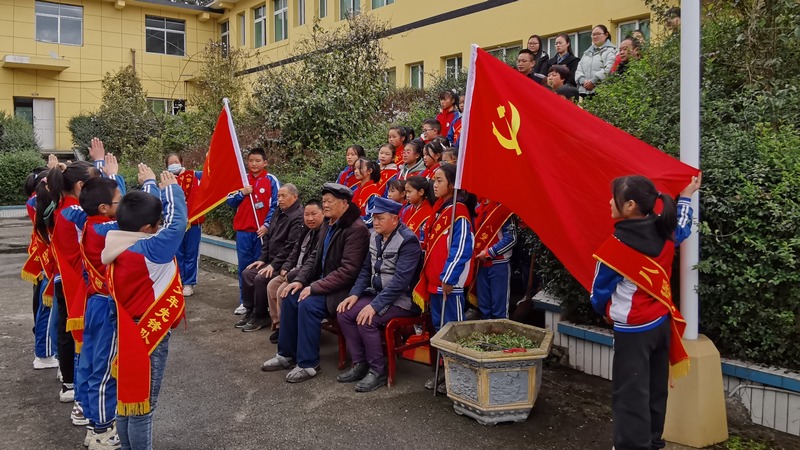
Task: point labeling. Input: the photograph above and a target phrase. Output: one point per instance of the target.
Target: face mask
(175, 168)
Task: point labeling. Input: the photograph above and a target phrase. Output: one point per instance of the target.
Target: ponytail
(52, 189)
(667, 221)
(643, 192)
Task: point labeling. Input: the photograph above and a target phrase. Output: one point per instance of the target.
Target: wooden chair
(332, 326)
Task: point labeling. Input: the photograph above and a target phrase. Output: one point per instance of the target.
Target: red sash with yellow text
(491, 218)
(386, 175)
(650, 277)
(138, 340)
(74, 289)
(417, 216)
(189, 182)
(436, 250)
(32, 269)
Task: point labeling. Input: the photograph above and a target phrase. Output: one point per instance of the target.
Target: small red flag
(223, 169)
(551, 162)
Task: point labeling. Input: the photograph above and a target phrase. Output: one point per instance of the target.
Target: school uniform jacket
(501, 251)
(617, 297)
(456, 268)
(145, 263)
(446, 120)
(407, 171)
(264, 197)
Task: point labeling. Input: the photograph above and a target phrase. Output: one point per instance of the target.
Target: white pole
(690, 154)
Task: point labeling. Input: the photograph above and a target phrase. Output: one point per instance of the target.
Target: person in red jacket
(449, 112)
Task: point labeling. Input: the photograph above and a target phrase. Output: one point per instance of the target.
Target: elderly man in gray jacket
(381, 293)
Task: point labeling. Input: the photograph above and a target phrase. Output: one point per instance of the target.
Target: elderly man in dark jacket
(381, 293)
(321, 284)
(285, 230)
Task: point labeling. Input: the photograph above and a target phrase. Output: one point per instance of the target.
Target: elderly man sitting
(381, 293)
(321, 284)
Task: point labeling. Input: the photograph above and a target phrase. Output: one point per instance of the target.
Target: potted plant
(493, 368)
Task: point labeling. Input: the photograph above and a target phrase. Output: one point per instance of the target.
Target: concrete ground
(215, 396)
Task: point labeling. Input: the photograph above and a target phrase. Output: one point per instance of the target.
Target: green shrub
(16, 134)
(83, 128)
(14, 168)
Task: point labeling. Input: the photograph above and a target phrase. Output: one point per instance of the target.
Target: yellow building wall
(112, 38)
(507, 24)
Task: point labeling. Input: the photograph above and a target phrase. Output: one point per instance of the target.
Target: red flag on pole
(551, 162)
(223, 169)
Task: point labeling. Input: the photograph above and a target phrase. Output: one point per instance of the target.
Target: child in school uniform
(347, 177)
(144, 280)
(254, 205)
(449, 113)
(387, 167)
(495, 237)
(447, 269)
(418, 196)
(454, 135)
(398, 137)
(412, 160)
(631, 290)
(369, 177)
(432, 156)
(450, 156)
(396, 191)
(431, 129)
(189, 251)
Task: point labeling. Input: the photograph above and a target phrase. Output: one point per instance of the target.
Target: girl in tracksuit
(631, 291)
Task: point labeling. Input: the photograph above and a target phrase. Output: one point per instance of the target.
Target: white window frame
(301, 12)
(323, 9)
(505, 51)
(263, 21)
(165, 31)
(637, 26)
(452, 67)
(421, 68)
(280, 15)
(379, 3)
(167, 103)
(574, 39)
(225, 37)
(348, 6)
(242, 22)
(59, 17)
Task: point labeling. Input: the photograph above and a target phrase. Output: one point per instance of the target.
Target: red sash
(386, 175)
(398, 155)
(74, 289)
(138, 340)
(650, 277)
(436, 249)
(428, 172)
(189, 182)
(363, 193)
(32, 269)
(416, 216)
(491, 217)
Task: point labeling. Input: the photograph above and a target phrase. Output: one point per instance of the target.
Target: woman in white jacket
(597, 60)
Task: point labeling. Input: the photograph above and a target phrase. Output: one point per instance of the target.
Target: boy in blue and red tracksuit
(261, 196)
(495, 237)
(144, 280)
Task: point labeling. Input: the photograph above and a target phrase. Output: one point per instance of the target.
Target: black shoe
(245, 320)
(371, 382)
(273, 338)
(356, 373)
(256, 324)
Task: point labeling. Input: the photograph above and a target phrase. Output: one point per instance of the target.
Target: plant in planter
(493, 368)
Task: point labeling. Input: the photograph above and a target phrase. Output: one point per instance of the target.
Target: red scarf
(189, 183)
(138, 340)
(653, 279)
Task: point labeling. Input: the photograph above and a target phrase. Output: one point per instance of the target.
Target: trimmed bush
(14, 168)
(16, 134)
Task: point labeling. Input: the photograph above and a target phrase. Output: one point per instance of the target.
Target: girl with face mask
(189, 252)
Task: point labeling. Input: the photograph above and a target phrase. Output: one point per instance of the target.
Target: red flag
(223, 169)
(551, 162)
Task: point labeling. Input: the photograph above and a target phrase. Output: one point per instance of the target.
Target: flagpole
(242, 172)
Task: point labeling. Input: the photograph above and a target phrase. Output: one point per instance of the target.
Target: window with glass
(60, 24)
(379, 3)
(349, 7)
(452, 67)
(580, 41)
(390, 77)
(224, 37)
(260, 26)
(165, 36)
(166, 105)
(301, 12)
(242, 21)
(323, 8)
(507, 54)
(625, 29)
(416, 76)
(281, 16)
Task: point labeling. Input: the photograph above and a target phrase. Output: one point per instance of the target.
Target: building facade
(56, 52)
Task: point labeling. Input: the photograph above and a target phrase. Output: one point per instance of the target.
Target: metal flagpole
(690, 154)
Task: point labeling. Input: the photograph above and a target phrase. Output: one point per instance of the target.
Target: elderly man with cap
(321, 284)
(381, 293)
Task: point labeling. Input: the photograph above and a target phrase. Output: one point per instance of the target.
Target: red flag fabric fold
(550, 161)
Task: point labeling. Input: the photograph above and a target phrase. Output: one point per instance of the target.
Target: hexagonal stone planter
(492, 386)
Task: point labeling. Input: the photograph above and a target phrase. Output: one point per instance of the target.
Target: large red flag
(223, 169)
(551, 162)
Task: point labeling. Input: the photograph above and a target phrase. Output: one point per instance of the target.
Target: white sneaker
(45, 363)
(78, 419)
(241, 310)
(67, 394)
(188, 291)
(103, 441)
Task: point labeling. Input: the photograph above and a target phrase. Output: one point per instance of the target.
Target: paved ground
(215, 396)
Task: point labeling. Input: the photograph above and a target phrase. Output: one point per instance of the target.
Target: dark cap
(337, 190)
(384, 205)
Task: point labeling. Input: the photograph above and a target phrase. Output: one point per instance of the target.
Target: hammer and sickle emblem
(511, 142)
